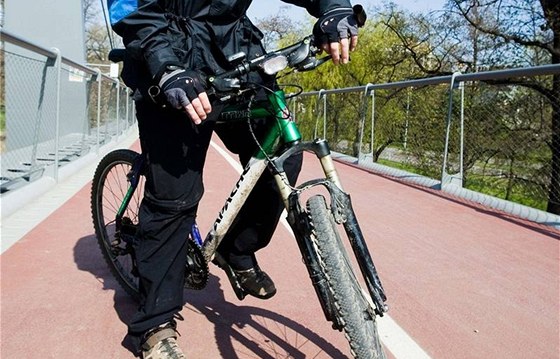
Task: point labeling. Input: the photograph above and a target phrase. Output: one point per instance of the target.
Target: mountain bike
(117, 190)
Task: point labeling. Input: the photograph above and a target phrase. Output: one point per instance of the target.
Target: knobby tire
(108, 190)
(352, 307)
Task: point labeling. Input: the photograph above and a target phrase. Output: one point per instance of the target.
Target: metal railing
(472, 135)
(483, 136)
(53, 110)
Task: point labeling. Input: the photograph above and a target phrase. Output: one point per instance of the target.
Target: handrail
(49, 53)
(451, 183)
(28, 158)
(478, 76)
(13, 39)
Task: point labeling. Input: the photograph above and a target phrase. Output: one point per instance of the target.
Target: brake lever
(301, 53)
(312, 63)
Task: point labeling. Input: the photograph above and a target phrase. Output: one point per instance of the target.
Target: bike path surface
(463, 281)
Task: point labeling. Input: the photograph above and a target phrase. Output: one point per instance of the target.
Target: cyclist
(171, 45)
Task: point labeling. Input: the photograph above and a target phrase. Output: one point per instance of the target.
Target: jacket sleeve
(143, 26)
(317, 8)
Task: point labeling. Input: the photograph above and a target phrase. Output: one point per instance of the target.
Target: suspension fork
(299, 222)
(342, 210)
(298, 219)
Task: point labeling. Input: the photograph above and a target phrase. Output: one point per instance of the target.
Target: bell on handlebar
(274, 64)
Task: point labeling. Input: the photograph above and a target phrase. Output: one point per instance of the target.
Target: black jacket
(198, 34)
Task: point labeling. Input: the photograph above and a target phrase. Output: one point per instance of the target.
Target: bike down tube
(231, 208)
(283, 131)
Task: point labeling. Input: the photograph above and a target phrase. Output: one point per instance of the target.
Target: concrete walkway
(463, 282)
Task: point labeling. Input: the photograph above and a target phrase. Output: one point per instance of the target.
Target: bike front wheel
(115, 225)
(351, 305)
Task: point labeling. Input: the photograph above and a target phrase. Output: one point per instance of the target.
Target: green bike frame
(283, 132)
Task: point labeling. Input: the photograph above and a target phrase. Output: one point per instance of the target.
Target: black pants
(176, 151)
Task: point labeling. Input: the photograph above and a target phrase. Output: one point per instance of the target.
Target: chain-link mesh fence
(488, 135)
(53, 111)
(495, 133)
(507, 146)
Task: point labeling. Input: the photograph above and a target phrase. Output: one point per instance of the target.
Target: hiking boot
(256, 282)
(161, 343)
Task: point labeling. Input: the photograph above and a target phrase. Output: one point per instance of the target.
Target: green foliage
(508, 139)
(372, 62)
(377, 59)
(497, 187)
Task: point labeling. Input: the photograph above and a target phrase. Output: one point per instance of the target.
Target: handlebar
(300, 56)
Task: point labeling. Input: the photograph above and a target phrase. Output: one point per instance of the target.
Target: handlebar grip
(360, 15)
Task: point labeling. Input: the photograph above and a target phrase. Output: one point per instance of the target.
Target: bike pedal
(237, 289)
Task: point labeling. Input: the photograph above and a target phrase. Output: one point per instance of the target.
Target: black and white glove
(339, 23)
(181, 87)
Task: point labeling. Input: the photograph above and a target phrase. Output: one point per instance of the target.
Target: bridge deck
(463, 281)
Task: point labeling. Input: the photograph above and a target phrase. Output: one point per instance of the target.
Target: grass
(397, 165)
(496, 187)
(492, 186)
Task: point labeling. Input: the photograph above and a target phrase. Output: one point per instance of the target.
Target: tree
(471, 35)
(97, 44)
(99, 36)
(380, 58)
(277, 29)
(522, 25)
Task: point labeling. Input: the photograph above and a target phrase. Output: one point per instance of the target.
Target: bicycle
(118, 185)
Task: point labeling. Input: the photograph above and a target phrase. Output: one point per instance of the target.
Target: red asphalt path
(463, 281)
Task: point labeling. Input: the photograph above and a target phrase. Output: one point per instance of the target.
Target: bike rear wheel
(351, 305)
(115, 237)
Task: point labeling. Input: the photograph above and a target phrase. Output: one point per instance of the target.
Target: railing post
(362, 121)
(372, 121)
(118, 85)
(127, 122)
(294, 107)
(406, 120)
(98, 107)
(317, 118)
(58, 66)
(446, 178)
(107, 104)
(325, 116)
(462, 139)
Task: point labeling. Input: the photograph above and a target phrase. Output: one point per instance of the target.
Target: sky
(263, 8)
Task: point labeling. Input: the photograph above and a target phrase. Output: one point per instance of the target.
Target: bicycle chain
(196, 274)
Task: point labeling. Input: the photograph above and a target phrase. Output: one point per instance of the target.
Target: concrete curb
(22, 209)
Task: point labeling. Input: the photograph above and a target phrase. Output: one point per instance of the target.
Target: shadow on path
(240, 331)
(261, 332)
